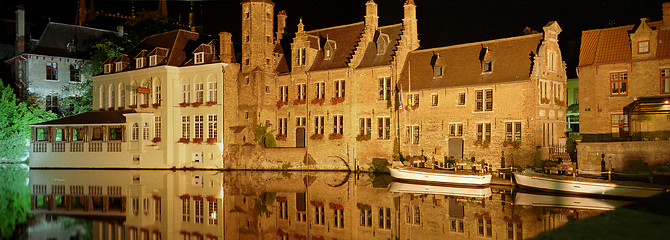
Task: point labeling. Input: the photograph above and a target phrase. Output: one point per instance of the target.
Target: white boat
(458, 191)
(579, 185)
(436, 176)
(578, 202)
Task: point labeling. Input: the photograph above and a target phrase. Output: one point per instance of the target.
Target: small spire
(409, 2)
(301, 27)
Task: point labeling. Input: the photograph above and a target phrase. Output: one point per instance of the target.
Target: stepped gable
(610, 45)
(345, 37)
(512, 61)
(95, 117)
(372, 57)
(56, 37)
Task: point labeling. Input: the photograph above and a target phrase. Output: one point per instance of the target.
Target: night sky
(441, 22)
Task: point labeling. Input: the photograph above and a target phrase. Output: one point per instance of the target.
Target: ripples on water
(125, 204)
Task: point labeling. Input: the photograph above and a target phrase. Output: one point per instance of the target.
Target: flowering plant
(334, 136)
(318, 101)
(111, 109)
(482, 144)
(545, 100)
(414, 107)
(516, 144)
(560, 103)
(144, 105)
(363, 206)
(102, 109)
(299, 101)
(514, 219)
(281, 137)
(197, 140)
(281, 233)
(363, 137)
(196, 104)
(281, 103)
(197, 197)
(156, 139)
(211, 140)
(183, 140)
(211, 198)
(133, 106)
(184, 196)
(316, 204)
(298, 236)
(316, 136)
(210, 103)
(336, 100)
(121, 107)
(156, 105)
(281, 199)
(184, 104)
(336, 206)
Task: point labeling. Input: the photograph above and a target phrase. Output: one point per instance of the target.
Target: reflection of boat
(541, 200)
(581, 185)
(459, 191)
(439, 176)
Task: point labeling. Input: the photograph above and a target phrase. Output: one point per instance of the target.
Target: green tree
(15, 115)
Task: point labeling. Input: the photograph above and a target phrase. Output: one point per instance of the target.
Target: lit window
(153, 60)
(119, 66)
(145, 131)
(139, 62)
(212, 126)
(108, 68)
(199, 58)
(300, 57)
(199, 92)
(643, 47)
(619, 125)
(665, 80)
(52, 71)
(198, 126)
(212, 91)
(75, 73)
(619, 84)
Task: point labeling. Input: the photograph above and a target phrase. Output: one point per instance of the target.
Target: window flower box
(317, 101)
(560, 103)
(483, 144)
(156, 139)
(334, 136)
(365, 137)
(211, 198)
(515, 144)
(111, 109)
(184, 196)
(156, 105)
(299, 101)
(316, 204)
(197, 197)
(281, 199)
(545, 100)
(133, 106)
(316, 136)
(514, 219)
(281, 103)
(197, 140)
(211, 141)
(144, 105)
(336, 100)
(483, 215)
(196, 104)
(414, 107)
(184, 140)
(121, 108)
(281, 137)
(336, 206)
(363, 206)
(184, 104)
(210, 103)
(102, 109)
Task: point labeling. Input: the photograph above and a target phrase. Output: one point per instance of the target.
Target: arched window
(102, 97)
(145, 131)
(112, 96)
(135, 132)
(122, 95)
(133, 94)
(157, 91)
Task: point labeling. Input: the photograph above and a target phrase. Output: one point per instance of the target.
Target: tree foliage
(14, 198)
(15, 115)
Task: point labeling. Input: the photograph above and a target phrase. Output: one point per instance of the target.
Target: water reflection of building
(284, 205)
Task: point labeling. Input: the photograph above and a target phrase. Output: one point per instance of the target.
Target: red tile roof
(346, 38)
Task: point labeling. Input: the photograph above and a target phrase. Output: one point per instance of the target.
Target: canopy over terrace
(648, 118)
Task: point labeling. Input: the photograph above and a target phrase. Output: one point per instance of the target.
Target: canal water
(150, 204)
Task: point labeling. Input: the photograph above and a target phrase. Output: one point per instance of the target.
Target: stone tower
(257, 34)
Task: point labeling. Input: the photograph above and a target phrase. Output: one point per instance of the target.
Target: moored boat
(571, 201)
(458, 191)
(580, 185)
(438, 176)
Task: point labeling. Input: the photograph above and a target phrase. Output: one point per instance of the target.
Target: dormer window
(108, 68)
(643, 47)
(139, 62)
(71, 48)
(552, 61)
(437, 71)
(153, 60)
(382, 42)
(327, 53)
(119, 66)
(487, 66)
(199, 58)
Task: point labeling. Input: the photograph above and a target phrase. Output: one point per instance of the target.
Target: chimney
(666, 14)
(225, 47)
(281, 24)
(119, 30)
(409, 25)
(20, 30)
(81, 14)
(371, 17)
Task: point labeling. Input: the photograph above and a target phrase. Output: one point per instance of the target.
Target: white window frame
(339, 88)
(513, 130)
(319, 122)
(199, 122)
(199, 58)
(434, 100)
(185, 93)
(118, 66)
(384, 128)
(384, 88)
(484, 100)
(212, 122)
(212, 91)
(139, 63)
(185, 126)
(483, 131)
(456, 129)
(199, 90)
(338, 124)
(108, 68)
(153, 60)
(320, 89)
(301, 91)
(157, 126)
(300, 57)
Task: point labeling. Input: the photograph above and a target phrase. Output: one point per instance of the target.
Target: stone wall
(625, 156)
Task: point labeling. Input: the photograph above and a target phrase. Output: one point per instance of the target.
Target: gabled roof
(372, 58)
(346, 37)
(56, 37)
(512, 61)
(179, 43)
(97, 117)
(610, 45)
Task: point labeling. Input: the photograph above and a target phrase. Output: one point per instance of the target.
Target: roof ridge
(334, 27)
(479, 43)
(390, 26)
(77, 26)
